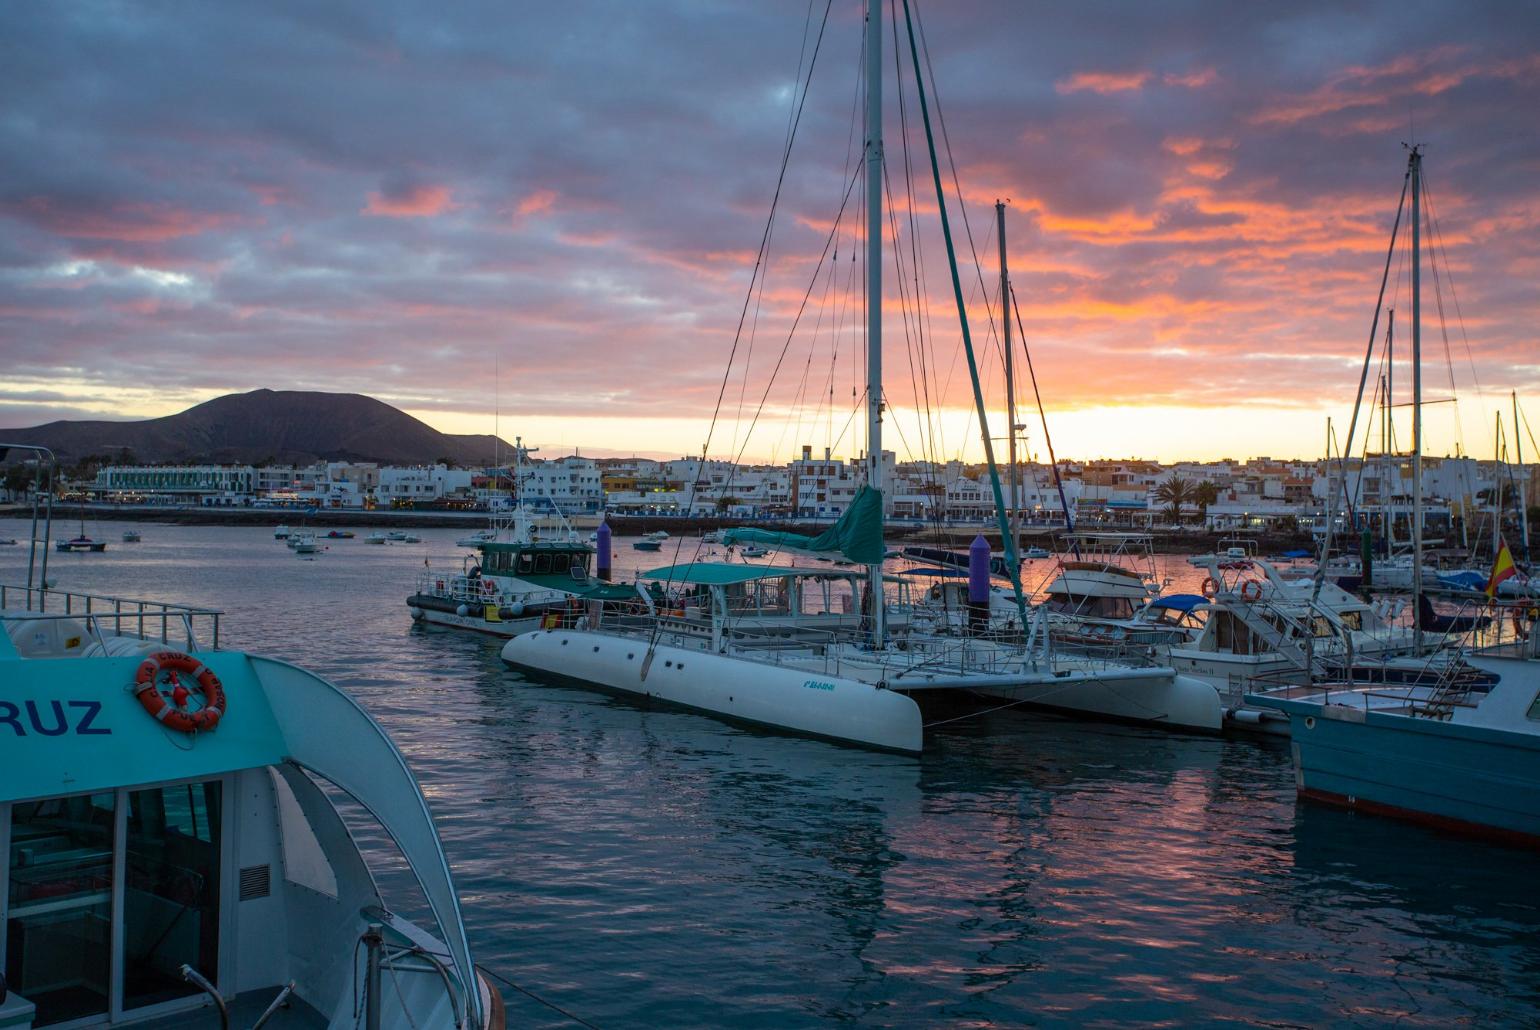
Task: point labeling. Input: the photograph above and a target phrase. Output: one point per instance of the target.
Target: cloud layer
(396, 199)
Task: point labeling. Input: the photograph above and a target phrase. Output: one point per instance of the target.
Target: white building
(572, 485)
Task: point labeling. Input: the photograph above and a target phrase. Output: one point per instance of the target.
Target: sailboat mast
(1416, 168)
(1010, 381)
(874, 288)
(1523, 494)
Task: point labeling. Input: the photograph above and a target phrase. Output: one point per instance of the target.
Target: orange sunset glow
(559, 234)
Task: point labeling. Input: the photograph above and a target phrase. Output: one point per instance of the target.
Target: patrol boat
(515, 583)
(169, 851)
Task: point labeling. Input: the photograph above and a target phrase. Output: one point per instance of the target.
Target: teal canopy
(718, 574)
(857, 535)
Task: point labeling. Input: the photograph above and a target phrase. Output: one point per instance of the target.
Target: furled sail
(857, 534)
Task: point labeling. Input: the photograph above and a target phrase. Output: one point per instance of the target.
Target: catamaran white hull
(780, 697)
(1154, 696)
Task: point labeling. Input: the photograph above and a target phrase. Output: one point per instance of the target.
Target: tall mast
(874, 287)
(1010, 381)
(1388, 514)
(1416, 162)
(1523, 493)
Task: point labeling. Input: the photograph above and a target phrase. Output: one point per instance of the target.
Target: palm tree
(1173, 493)
(1203, 495)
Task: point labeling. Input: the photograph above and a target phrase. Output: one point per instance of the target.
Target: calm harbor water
(654, 868)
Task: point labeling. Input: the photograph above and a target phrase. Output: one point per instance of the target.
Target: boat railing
(108, 615)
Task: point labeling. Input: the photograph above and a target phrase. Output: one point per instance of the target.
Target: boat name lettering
(818, 685)
(55, 723)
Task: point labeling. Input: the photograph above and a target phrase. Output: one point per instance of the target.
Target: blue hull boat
(1463, 762)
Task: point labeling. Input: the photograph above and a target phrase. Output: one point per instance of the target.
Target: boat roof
(726, 573)
(552, 546)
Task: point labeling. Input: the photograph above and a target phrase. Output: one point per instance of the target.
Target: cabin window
(542, 564)
(1231, 635)
(1352, 620)
(526, 564)
(171, 896)
(1534, 709)
(59, 932)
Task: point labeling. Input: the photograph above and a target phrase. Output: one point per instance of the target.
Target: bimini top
(1179, 602)
(716, 574)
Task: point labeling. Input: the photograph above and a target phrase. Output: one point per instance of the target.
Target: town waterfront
(649, 867)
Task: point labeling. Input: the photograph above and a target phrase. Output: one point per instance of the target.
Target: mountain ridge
(277, 426)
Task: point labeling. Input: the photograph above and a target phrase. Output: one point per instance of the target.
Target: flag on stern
(1502, 567)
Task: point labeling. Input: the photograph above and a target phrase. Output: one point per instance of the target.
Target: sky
(544, 218)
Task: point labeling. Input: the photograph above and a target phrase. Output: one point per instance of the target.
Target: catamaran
(853, 685)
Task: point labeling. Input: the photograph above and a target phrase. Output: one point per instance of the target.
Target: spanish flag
(1502, 567)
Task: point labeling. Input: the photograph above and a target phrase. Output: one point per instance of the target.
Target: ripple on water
(645, 867)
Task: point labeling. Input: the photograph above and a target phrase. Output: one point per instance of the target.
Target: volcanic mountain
(280, 426)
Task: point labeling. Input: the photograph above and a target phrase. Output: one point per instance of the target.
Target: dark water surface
(652, 868)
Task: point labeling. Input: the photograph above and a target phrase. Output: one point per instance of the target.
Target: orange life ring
(488, 588)
(172, 710)
(1251, 590)
(1210, 587)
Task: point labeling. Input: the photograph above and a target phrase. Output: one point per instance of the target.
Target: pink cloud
(136, 222)
(1102, 82)
(538, 202)
(409, 202)
(1192, 80)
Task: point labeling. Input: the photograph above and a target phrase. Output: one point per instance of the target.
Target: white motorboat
(281, 532)
(304, 543)
(172, 851)
(132, 536)
(376, 537)
(513, 584)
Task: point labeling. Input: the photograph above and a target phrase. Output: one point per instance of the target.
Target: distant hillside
(283, 426)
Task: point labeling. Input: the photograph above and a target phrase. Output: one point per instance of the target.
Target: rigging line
(1454, 295)
(916, 251)
(946, 387)
(1443, 325)
(1058, 481)
(793, 111)
(903, 300)
(1374, 331)
(1012, 565)
(759, 260)
(764, 240)
(796, 321)
(579, 1020)
(962, 205)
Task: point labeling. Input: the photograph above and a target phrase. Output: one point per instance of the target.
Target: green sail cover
(857, 535)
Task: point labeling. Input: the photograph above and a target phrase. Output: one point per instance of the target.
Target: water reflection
(650, 867)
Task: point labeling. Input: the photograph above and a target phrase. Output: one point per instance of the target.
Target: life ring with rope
(488, 588)
(1210, 587)
(172, 710)
(1251, 590)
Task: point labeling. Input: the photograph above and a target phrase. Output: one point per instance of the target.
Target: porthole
(1309, 722)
